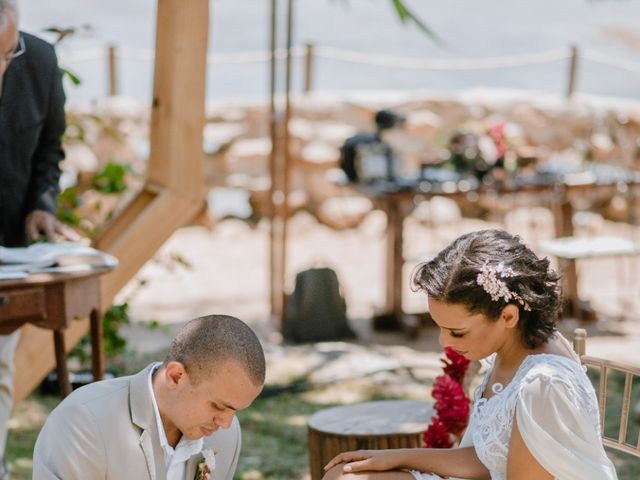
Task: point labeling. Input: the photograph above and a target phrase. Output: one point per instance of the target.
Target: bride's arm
(446, 462)
(521, 464)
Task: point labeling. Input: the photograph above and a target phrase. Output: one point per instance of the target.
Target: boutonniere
(206, 466)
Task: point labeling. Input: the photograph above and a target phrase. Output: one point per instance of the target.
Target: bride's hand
(363, 460)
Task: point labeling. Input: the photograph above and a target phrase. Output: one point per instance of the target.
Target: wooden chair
(604, 368)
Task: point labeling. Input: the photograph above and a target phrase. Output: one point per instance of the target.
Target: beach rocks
(237, 139)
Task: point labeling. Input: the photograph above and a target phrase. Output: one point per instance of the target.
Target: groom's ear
(174, 373)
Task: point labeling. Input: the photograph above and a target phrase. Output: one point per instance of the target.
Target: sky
(472, 29)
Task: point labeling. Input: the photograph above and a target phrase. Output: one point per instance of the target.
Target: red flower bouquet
(452, 405)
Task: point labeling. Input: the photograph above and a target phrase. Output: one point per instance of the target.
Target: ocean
(506, 31)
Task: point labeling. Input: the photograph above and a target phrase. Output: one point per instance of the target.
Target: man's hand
(41, 221)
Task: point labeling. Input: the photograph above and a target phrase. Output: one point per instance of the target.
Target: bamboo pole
(275, 293)
(573, 65)
(286, 152)
(308, 67)
(113, 78)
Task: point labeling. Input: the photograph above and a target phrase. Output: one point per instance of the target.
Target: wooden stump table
(369, 425)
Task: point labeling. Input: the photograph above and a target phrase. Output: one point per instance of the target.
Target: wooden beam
(177, 115)
(114, 229)
(145, 235)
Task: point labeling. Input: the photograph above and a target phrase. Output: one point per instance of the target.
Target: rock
(229, 202)
(80, 158)
(343, 212)
(423, 123)
(250, 155)
(302, 129)
(319, 154)
(218, 135)
(334, 132)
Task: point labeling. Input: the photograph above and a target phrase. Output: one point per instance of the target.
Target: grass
(275, 437)
(274, 429)
(24, 425)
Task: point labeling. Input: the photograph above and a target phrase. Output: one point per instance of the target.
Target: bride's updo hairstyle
(488, 269)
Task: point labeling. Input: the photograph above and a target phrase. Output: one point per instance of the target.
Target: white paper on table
(43, 255)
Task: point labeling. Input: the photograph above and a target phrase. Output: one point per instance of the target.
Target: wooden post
(275, 276)
(308, 67)
(177, 111)
(113, 78)
(573, 64)
(286, 157)
(580, 341)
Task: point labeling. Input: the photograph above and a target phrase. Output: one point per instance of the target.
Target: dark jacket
(32, 121)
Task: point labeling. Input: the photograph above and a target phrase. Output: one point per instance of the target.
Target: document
(53, 257)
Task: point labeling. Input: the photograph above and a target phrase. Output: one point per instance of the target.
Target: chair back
(604, 369)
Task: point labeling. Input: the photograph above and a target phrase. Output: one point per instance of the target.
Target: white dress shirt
(175, 459)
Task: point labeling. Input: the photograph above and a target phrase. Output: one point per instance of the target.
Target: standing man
(174, 420)
(32, 122)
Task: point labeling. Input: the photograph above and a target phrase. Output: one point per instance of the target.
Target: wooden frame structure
(604, 367)
(174, 193)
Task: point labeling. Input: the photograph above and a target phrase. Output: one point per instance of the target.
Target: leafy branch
(407, 16)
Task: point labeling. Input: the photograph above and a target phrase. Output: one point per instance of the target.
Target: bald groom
(170, 421)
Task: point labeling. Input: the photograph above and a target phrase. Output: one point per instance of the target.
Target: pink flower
(206, 466)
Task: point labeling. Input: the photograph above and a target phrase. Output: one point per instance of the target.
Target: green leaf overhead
(407, 16)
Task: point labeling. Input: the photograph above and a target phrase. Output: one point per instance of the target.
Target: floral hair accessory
(206, 466)
(490, 279)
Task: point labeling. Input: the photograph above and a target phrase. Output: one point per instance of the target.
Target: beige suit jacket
(107, 431)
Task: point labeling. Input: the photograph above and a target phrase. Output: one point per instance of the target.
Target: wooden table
(53, 301)
(369, 425)
(396, 202)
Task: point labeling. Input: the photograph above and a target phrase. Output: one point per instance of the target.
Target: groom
(173, 420)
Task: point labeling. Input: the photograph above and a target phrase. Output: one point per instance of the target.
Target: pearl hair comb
(490, 279)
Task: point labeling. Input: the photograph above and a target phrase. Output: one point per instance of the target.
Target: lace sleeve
(558, 420)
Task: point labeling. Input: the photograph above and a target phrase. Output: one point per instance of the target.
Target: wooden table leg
(574, 307)
(61, 363)
(97, 345)
(395, 259)
(391, 318)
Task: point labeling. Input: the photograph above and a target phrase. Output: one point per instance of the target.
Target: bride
(535, 414)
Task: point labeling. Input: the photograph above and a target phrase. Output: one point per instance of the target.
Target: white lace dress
(557, 414)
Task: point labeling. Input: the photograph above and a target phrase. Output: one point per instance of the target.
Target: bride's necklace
(497, 387)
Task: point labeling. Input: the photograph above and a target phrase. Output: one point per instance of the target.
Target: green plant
(68, 204)
(407, 16)
(111, 179)
(114, 343)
